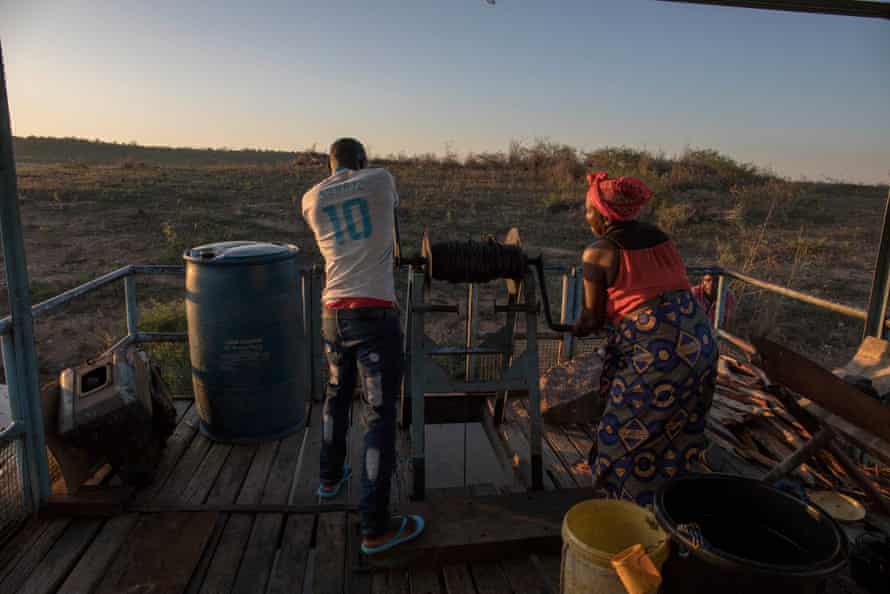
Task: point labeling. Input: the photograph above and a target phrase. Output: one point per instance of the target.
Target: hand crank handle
(538, 264)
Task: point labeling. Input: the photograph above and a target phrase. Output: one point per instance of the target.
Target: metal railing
(32, 458)
(26, 429)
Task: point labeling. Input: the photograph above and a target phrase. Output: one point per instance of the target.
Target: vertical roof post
(26, 378)
(880, 285)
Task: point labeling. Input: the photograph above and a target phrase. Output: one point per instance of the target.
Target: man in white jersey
(353, 216)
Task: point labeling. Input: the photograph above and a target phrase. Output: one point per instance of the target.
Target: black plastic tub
(754, 538)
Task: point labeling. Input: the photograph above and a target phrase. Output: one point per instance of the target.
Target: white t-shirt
(352, 214)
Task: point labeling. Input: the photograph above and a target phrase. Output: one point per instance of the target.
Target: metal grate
(13, 509)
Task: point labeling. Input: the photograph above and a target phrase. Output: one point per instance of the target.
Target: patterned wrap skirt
(658, 383)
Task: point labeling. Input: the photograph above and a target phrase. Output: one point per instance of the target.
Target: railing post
(472, 330)
(27, 469)
(132, 306)
(535, 436)
(416, 388)
(24, 353)
(720, 306)
(880, 285)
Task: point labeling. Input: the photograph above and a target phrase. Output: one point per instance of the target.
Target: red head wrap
(617, 199)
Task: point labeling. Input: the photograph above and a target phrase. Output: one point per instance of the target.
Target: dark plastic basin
(756, 538)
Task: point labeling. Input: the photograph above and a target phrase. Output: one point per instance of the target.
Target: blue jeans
(365, 343)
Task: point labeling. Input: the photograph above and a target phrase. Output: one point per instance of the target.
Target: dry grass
(86, 217)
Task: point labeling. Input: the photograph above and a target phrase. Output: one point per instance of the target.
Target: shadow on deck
(226, 519)
(222, 518)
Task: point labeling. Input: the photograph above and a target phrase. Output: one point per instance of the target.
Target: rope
(477, 261)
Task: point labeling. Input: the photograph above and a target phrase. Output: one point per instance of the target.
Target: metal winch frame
(432, 396)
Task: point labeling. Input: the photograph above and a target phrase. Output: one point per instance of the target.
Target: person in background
(660, 360)
(352, 214)
(706, 294)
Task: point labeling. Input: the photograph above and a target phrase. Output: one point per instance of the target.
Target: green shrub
(173, 357)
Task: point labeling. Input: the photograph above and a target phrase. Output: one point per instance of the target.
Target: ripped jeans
(363, 343)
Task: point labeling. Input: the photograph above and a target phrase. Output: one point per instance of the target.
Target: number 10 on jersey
(347, 212)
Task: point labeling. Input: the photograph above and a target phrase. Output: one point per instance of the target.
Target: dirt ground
(82, 220)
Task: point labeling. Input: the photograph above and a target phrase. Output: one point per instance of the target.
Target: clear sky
(807, 95)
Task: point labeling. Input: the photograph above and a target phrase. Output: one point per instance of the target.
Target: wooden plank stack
(749, 421)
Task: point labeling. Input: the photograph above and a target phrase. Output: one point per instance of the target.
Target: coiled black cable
(477, 261)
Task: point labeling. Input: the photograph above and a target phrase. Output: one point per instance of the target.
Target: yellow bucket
(593, 532)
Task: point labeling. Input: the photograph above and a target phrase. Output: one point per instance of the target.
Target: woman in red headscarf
(660, 365)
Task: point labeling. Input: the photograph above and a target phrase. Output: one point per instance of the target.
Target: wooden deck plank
(306, 485)
(568, 454)
(398, 581)
(380, 583)
(182, 407)
(90, 568)
(522, 577)
(177, 444)
(54, 567)
(515, 438)
(580, 438)
(19, 543)
(289, 571)
(489, 578)
(424, 580)
(548, 568)
(268, 480)
(284, 469)
(24, 565)
(231, 477)
(202, 481)
(259, 556)
(228, 554)
(203, 566)
(517, 418)
(358, 573)
(492, 528)
(185, 471)
(330, 561)
(514, 448)
(255, 482)
(160, 553)
(458, 579)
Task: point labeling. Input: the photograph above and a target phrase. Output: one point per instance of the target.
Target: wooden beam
(807, 378)
(854, 8)
(493, 528)
(104, 501)
(242, 508)
(462, 408)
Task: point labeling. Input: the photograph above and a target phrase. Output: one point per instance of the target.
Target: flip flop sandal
(400, 537)
(347, 472)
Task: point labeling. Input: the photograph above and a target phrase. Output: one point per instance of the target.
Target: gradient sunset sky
(805, 95)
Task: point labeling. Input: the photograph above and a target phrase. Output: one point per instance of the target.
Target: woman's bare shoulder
(599, 250)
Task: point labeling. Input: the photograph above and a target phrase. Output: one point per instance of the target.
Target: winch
(433, 395)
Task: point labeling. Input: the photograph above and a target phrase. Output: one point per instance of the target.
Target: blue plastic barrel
(246, 339)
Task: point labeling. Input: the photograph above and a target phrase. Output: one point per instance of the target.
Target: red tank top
(644, 274)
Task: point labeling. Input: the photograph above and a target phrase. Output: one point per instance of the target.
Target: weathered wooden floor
(162, 550)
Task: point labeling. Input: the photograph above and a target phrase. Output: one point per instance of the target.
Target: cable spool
(473, 261)
(481, 262)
